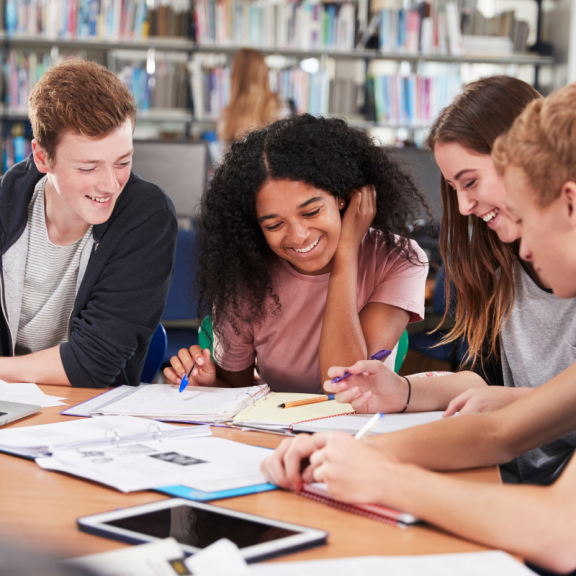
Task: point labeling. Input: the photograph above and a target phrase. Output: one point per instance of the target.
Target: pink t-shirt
(286, 344)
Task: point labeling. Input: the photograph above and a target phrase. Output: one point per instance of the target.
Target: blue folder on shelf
(192, 494)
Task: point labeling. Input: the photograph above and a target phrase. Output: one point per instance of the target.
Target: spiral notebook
(318, 492)
(266, 415)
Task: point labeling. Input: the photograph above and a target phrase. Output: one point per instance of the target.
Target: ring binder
(115, 434)
(159, 435)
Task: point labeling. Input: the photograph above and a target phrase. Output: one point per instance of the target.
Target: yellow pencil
(323, 398)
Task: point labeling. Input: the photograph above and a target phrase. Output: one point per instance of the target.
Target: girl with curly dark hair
(305, 260)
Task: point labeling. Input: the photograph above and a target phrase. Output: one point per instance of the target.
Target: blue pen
(380, 355)
(184, 382)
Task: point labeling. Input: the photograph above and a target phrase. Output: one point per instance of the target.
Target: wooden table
(40, 507)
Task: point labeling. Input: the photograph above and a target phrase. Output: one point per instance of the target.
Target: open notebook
(266, 415)
(164, 402)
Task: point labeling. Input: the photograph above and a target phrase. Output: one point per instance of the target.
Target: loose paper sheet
(28, 394)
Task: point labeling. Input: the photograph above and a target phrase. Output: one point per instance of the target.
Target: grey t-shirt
(537, 342)
(50, 282)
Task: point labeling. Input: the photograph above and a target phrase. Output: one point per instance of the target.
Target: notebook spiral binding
(372, 511)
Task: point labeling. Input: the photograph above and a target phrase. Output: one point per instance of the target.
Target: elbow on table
(552, 540)
(558, 556)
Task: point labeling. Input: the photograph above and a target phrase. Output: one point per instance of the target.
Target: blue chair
(181, 304)
(429, 344)
(155, 357)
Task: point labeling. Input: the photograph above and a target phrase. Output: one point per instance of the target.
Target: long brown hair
(471, 251)
(252, 103)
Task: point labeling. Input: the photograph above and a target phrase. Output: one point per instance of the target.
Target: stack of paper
(165, 402)
(28, 394)
(204, 464)
(223, 557)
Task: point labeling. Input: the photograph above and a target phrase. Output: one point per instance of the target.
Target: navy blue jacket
(123, 293)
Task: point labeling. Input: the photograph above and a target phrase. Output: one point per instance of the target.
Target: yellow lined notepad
(265, 412)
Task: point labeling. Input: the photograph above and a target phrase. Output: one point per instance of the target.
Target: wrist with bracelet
(409, 394)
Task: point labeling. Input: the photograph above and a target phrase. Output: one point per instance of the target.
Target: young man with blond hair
(86, 247)
(537, 159)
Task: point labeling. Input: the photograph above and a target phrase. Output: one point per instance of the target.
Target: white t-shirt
(50, 282)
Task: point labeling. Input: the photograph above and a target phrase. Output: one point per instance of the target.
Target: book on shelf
(102, 19)
(166, 88)
(278, 24)
(16, 142)
(211, 88)
(412, 99)
(426, 28)
(439, 28)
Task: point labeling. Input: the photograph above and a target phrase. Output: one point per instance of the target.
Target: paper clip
(115, 434)
(159, 437)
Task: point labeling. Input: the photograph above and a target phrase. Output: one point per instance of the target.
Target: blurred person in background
(252, 103)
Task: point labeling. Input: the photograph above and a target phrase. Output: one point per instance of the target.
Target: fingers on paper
(273, 467)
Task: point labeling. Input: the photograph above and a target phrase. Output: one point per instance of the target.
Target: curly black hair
(234, 281)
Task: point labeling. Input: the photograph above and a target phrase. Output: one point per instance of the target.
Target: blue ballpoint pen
(380, 355)
(184, 382)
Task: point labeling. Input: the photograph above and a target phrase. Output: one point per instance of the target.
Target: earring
(342, 203)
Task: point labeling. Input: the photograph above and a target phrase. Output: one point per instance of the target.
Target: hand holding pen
(193, 366)
(371, 388)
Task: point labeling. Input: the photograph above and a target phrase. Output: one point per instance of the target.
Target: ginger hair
(78, 96)
(542, 143)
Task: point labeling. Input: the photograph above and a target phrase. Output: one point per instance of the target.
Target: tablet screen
(200, 528)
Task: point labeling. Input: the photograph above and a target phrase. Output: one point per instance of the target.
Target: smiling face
(480, 190)
(87, 175)
(301, 224)
(548, 234)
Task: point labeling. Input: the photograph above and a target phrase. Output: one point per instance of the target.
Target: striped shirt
(50, 282)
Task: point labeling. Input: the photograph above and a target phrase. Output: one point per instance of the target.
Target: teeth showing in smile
(308, 248)
(491, 215)
(101, 200)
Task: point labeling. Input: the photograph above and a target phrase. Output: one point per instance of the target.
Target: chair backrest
(401, 351)
(155, 357)
(181, 304)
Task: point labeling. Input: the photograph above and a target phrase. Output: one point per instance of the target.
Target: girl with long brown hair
(252, 103)
(519, 333)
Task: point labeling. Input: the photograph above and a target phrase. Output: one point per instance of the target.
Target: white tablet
(196, 525)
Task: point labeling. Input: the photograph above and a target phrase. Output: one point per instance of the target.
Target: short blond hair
(78, 96)
(542, 142)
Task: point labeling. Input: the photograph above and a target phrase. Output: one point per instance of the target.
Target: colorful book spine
(283, 24)
(103, 19)
(413, 100)
(427, 29)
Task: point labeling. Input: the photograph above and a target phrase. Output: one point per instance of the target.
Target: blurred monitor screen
(420, 164)
(179, 168)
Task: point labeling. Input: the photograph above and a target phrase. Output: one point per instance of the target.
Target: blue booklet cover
(192, 494)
